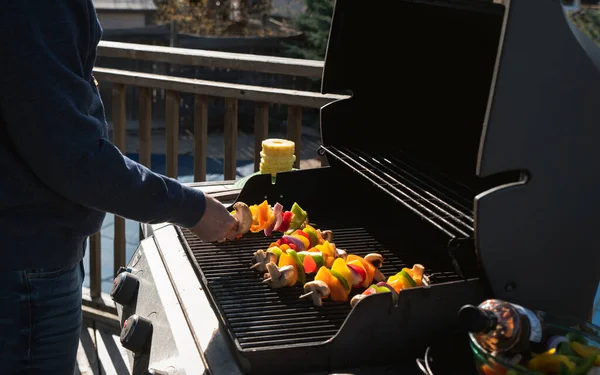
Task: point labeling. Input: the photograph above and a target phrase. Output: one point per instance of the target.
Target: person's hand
(216, 224)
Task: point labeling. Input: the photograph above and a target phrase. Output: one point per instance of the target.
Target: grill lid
(543, 119)
(428, 105)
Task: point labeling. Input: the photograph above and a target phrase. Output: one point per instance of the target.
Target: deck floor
(101, 353)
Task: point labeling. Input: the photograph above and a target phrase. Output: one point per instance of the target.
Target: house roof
(127, 5)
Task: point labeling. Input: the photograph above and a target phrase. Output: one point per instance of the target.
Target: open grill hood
(476, 92)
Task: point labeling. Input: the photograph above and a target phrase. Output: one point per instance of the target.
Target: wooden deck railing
(201, 89)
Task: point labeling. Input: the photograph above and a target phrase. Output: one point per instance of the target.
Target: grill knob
(136, 333)
(125, 287)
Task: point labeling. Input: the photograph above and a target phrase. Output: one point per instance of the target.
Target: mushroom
(378, 276)
(278, 277)
(327, 235)
(261, 259)
(243, 216)
(356, 299)
(339, 253)
(375, 259)
(316, 290)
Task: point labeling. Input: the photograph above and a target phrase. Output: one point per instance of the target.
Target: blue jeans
(40, 320)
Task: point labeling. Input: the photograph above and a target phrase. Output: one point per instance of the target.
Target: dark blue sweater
(59, 173)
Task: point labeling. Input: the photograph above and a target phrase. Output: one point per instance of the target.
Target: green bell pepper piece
(586, 366)
(275, 250)
(406, 277)
(576, 337)
(341, 279)
(564, 348)
(299, 216)
(299, 265)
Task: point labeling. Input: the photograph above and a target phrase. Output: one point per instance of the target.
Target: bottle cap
(474, 319)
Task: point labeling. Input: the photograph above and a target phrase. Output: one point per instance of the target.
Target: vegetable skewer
(263, 217)
(286, 268)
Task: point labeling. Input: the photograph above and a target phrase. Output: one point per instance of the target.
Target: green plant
(314, 24)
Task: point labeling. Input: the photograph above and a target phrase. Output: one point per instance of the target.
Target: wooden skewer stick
(306, 295)
(255, 265)
(267, 280)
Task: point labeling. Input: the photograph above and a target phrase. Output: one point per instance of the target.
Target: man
(59, 174)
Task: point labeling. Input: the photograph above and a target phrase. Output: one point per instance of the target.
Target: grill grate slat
(259, 317)
(416, 191)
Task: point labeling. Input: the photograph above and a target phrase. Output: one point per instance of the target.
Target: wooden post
(230, 138)
(295, 130)
(172, 117)
(261, 130)
(95, 266)
(145, 125)
(200, 136)
(119, 127)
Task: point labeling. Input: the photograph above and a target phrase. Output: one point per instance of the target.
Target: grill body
(401, 182)
(269, 329)
(406, 179)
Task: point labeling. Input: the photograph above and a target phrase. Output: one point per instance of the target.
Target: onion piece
(296, 241)
(277, 210)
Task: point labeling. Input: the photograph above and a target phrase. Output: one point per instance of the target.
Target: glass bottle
(503, 328)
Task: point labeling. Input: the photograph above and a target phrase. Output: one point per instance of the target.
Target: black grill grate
(423, 195)
(258, 317)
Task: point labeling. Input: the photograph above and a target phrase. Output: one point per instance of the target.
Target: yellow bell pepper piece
(369, 268)
(549, 352)
(586, 351)
(337, 292)
(397, 282)
(339, 266)
(286, 260)
(550, 363)
(328, 260)
(327, 248)
(262, 216)
(303, 239)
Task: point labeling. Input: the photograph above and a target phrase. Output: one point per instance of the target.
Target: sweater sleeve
(55, 118)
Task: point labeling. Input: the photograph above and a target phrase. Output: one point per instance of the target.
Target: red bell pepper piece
(286, 219)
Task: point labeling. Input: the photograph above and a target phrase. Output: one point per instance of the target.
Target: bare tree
(215, 17)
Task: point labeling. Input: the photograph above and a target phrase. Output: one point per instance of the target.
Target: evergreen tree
(314, 24)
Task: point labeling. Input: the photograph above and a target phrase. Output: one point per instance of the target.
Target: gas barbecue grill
(401, 182)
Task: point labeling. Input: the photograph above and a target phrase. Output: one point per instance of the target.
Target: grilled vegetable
(374, 289)
(337, 290)
(299, 218)
(369, 268)
(340, 270)
(586, 351)
(263, 217)
(243, 216)
(404, 279)
(550, 363)
(310, 260)
(277, 210)
(395, 283)
(299, 266)
(317, 290)
(313, 235)
(280, 277)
